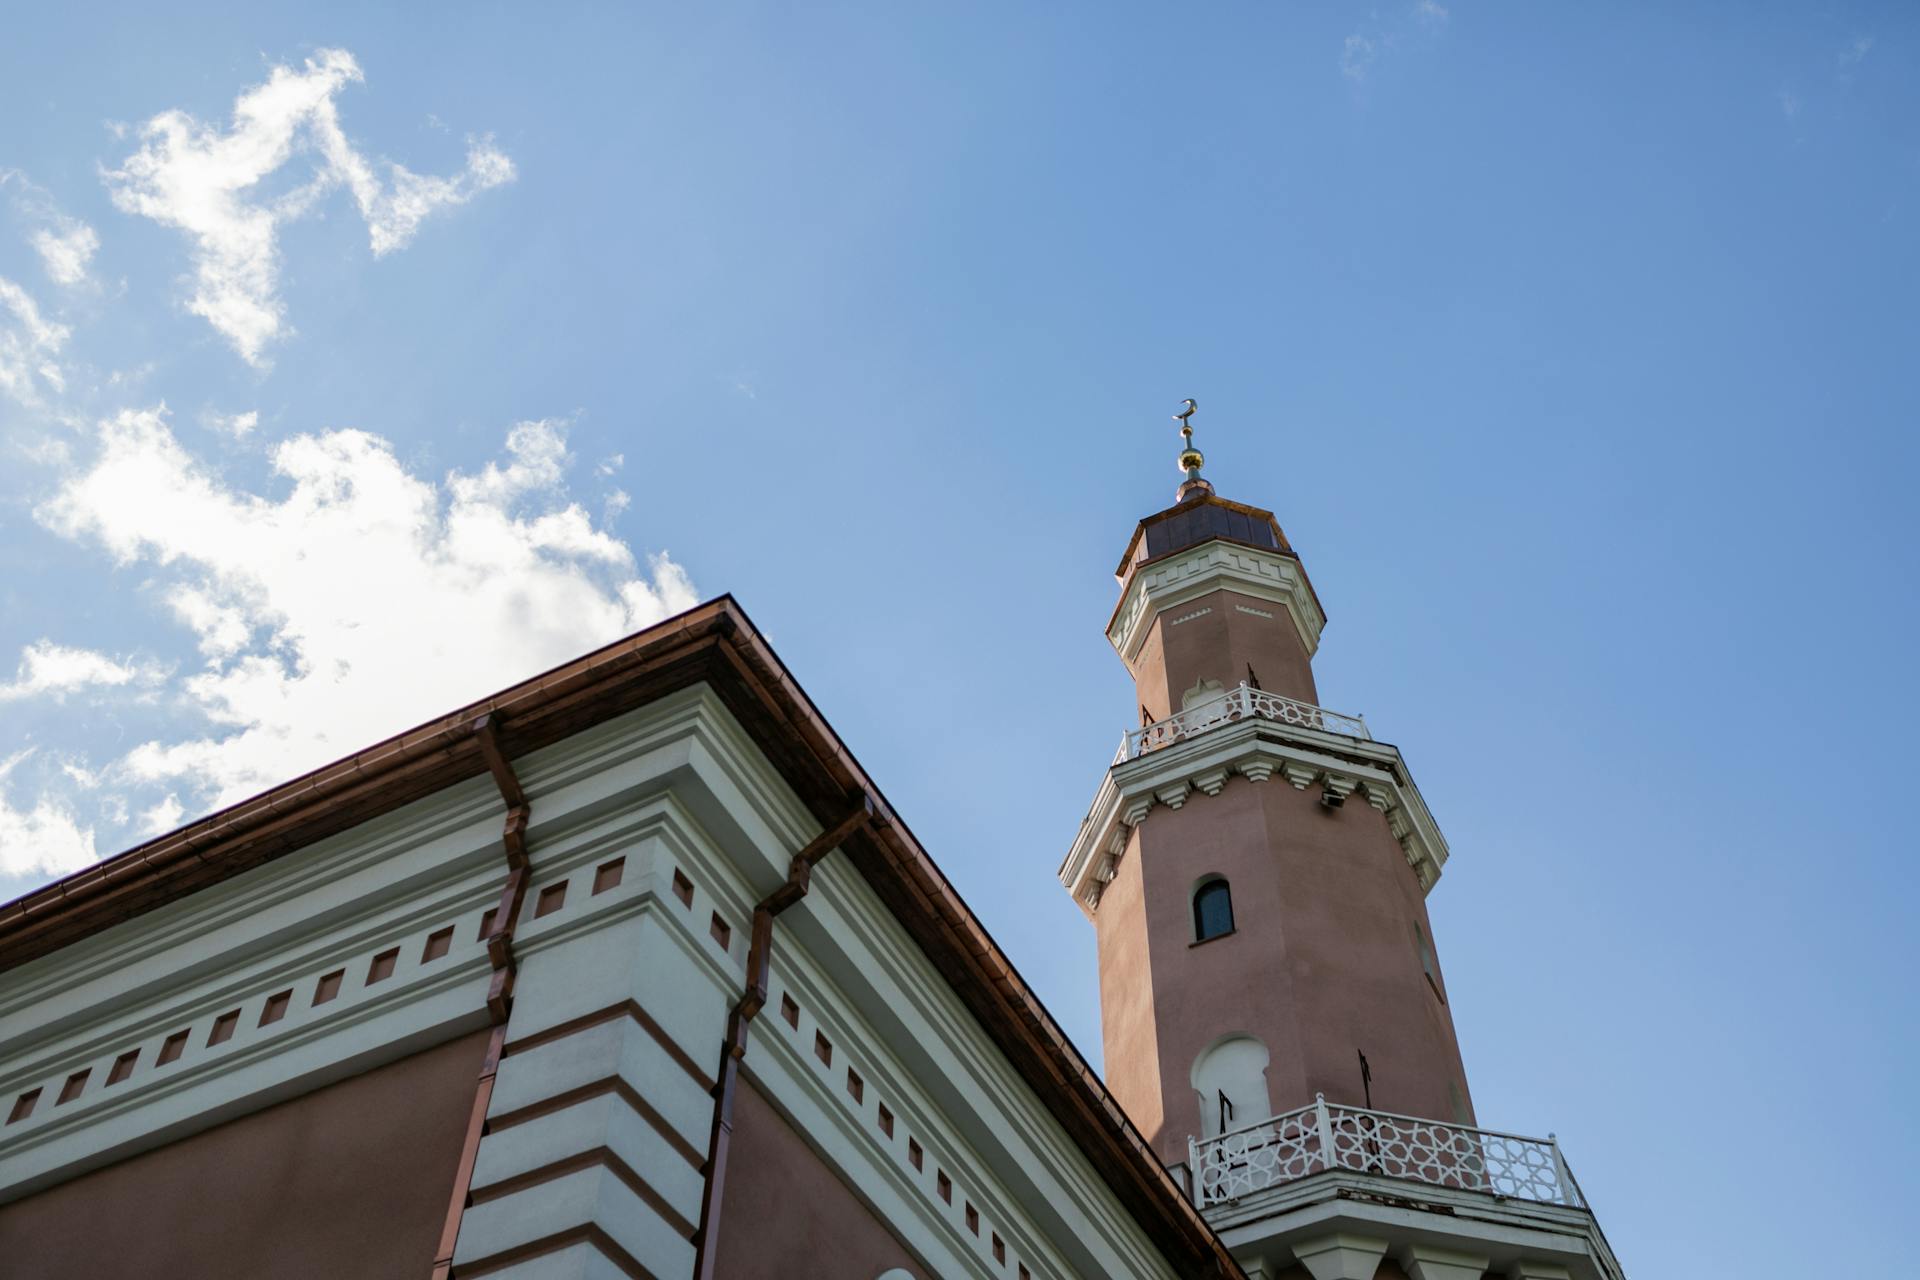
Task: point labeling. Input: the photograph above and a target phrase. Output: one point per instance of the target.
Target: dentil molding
(1257, 750)
(1260, 575)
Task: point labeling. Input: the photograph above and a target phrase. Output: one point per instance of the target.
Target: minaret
(1256, 869)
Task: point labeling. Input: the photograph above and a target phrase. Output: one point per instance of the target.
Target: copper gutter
(513, 838)
(752, 1000)
(339, 795)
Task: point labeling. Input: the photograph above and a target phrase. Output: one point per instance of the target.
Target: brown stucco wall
(349, 1180)
(1323, 961)
(785, 1212)
(1220, 644)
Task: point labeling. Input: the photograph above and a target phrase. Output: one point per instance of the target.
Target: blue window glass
(1212, 910)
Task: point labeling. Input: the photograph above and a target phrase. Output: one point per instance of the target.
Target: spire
(1191, 459)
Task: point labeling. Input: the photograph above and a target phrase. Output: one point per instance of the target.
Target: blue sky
(1573, 348)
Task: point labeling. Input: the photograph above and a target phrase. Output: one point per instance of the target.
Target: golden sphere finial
(1191, 459)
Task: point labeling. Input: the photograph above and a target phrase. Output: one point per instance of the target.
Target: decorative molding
(1532, 1269)
(1425, 1262)
(1267, 576)
(873, 964)
(1512, 1233)
(1341, 1256)
(1255, 749)
(1337, 787)
(1258, 613)
(1189, 617)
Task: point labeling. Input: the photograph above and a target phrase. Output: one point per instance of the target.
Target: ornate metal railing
(1242, 703)
(1323, 1136)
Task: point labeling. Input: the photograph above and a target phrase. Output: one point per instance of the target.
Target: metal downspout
(513, 838)
(752, 999)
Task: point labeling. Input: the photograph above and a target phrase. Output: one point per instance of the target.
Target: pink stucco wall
(785, 1212)
(1221, 643)
(1324, 960)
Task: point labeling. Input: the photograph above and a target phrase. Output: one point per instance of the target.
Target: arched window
(1212, 910)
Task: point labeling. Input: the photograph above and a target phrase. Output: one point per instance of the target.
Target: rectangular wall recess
(275, 1008)
(608, 875)
(176, 1044)
(75, 1085)
(328, 987)
(382, 967)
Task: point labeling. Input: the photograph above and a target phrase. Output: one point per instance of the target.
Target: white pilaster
(1527, 1269)
(1424, 1262)
(1341, 1256)
(599, 1117)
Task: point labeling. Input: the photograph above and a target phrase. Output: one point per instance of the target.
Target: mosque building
(631, 971)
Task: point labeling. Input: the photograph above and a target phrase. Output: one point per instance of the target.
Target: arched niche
(1230, 1083)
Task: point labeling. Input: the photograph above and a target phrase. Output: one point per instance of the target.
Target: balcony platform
(1337, 1188)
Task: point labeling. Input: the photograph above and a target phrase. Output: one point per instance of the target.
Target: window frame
(1206, 888)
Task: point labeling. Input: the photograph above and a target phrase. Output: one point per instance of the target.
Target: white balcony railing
(1324, 1136)
(1242, 703)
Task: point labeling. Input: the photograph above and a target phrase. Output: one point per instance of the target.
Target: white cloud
(237, 425)
(364, 600)
(1856, 53)
(1430, 11)
(66, 252)
(28, 347)
(45, 840)
(47, 668)
(65, 245)
(81, 776)
(1789, 103)
(161, 817)
(209, 183)
(1356, 57)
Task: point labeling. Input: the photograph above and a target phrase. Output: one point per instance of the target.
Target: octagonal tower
(1256, 869)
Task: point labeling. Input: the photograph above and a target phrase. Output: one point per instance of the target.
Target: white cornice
(1273, 1222)
(1211, 566)
(1257, 750)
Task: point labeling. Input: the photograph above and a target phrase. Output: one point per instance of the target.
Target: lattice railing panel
(1324, 1136)
(1238, 704)
(1245, 1160)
